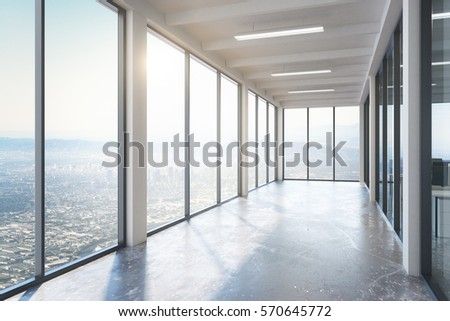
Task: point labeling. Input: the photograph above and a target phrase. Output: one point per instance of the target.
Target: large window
(388, 136)
(212, 114)
(390, 165)
(81, 102)
(320, 134)
(229, 137)
(314, 133)
(207, 115)
(251, 138)
(380, 141)
(295, 132)
(17, 167)
(203, 128)
(366, 111)
(272, 147)
(347, 142)
(165, 123)
(440, 238)
(59, 194)
(262, 141)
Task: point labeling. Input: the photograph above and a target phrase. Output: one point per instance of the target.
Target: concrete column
(280, 130)
(136, 127)
(243, 184)
(372, 138)
(411, 136)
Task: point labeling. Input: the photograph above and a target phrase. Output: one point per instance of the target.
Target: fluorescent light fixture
(442, 15)
(311, 91)
(300, 73)
(433, 85)
(278, 33)
(441, 63)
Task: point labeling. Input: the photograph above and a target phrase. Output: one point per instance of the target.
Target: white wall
(411, 136)
(136, 126)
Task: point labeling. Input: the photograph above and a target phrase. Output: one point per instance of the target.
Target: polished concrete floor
(286, 241)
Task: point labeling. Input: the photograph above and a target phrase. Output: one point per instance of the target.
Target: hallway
(291, 240)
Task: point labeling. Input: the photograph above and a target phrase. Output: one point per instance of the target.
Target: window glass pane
(81, 116)
(320, 127)
(165, 124)
(272, 157)
(390, 138)
(229, 138)
(401, 136)
(347, 131)
(441, 147)
(295, 132)
(262, 132)
(251, 138)
(16, 142)
(380, 140)
(203, 119)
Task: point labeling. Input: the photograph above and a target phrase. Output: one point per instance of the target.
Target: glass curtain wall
(79, 206)
(213, 115)
(17, 145)
(165, 122)
(320, 134)
(81, 102)
(229, 109)
(388, 127)
(262, 141)
(261, 132)
(272, 147)
(398, 146)
(311, 131)
(252, 138)
(390, 137)
(203, 128)
(380, 140)
(367, 142)
(347, 143)
(295, 133)
(441, 145)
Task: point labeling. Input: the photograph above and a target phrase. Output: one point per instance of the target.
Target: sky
(81, 70)
(81, 73)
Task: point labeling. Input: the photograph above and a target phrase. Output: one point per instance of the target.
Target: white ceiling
(346, 47)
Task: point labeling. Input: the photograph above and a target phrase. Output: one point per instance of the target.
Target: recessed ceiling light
(441, 63)
(278, 33)
(299, 73)
(442, 15)
(311, 91)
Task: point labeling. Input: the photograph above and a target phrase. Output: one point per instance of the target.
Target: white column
(243, 190)
(280, 130)
(372, 138)
(411, 136)
(361, 143)
(136, 126)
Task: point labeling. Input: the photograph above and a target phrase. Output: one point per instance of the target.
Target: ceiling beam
(310, 83)
(340, 89)
(300, 57)
(335, 95)
(341, 70)
(321, 103)
(332, 33)
(246, 8)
